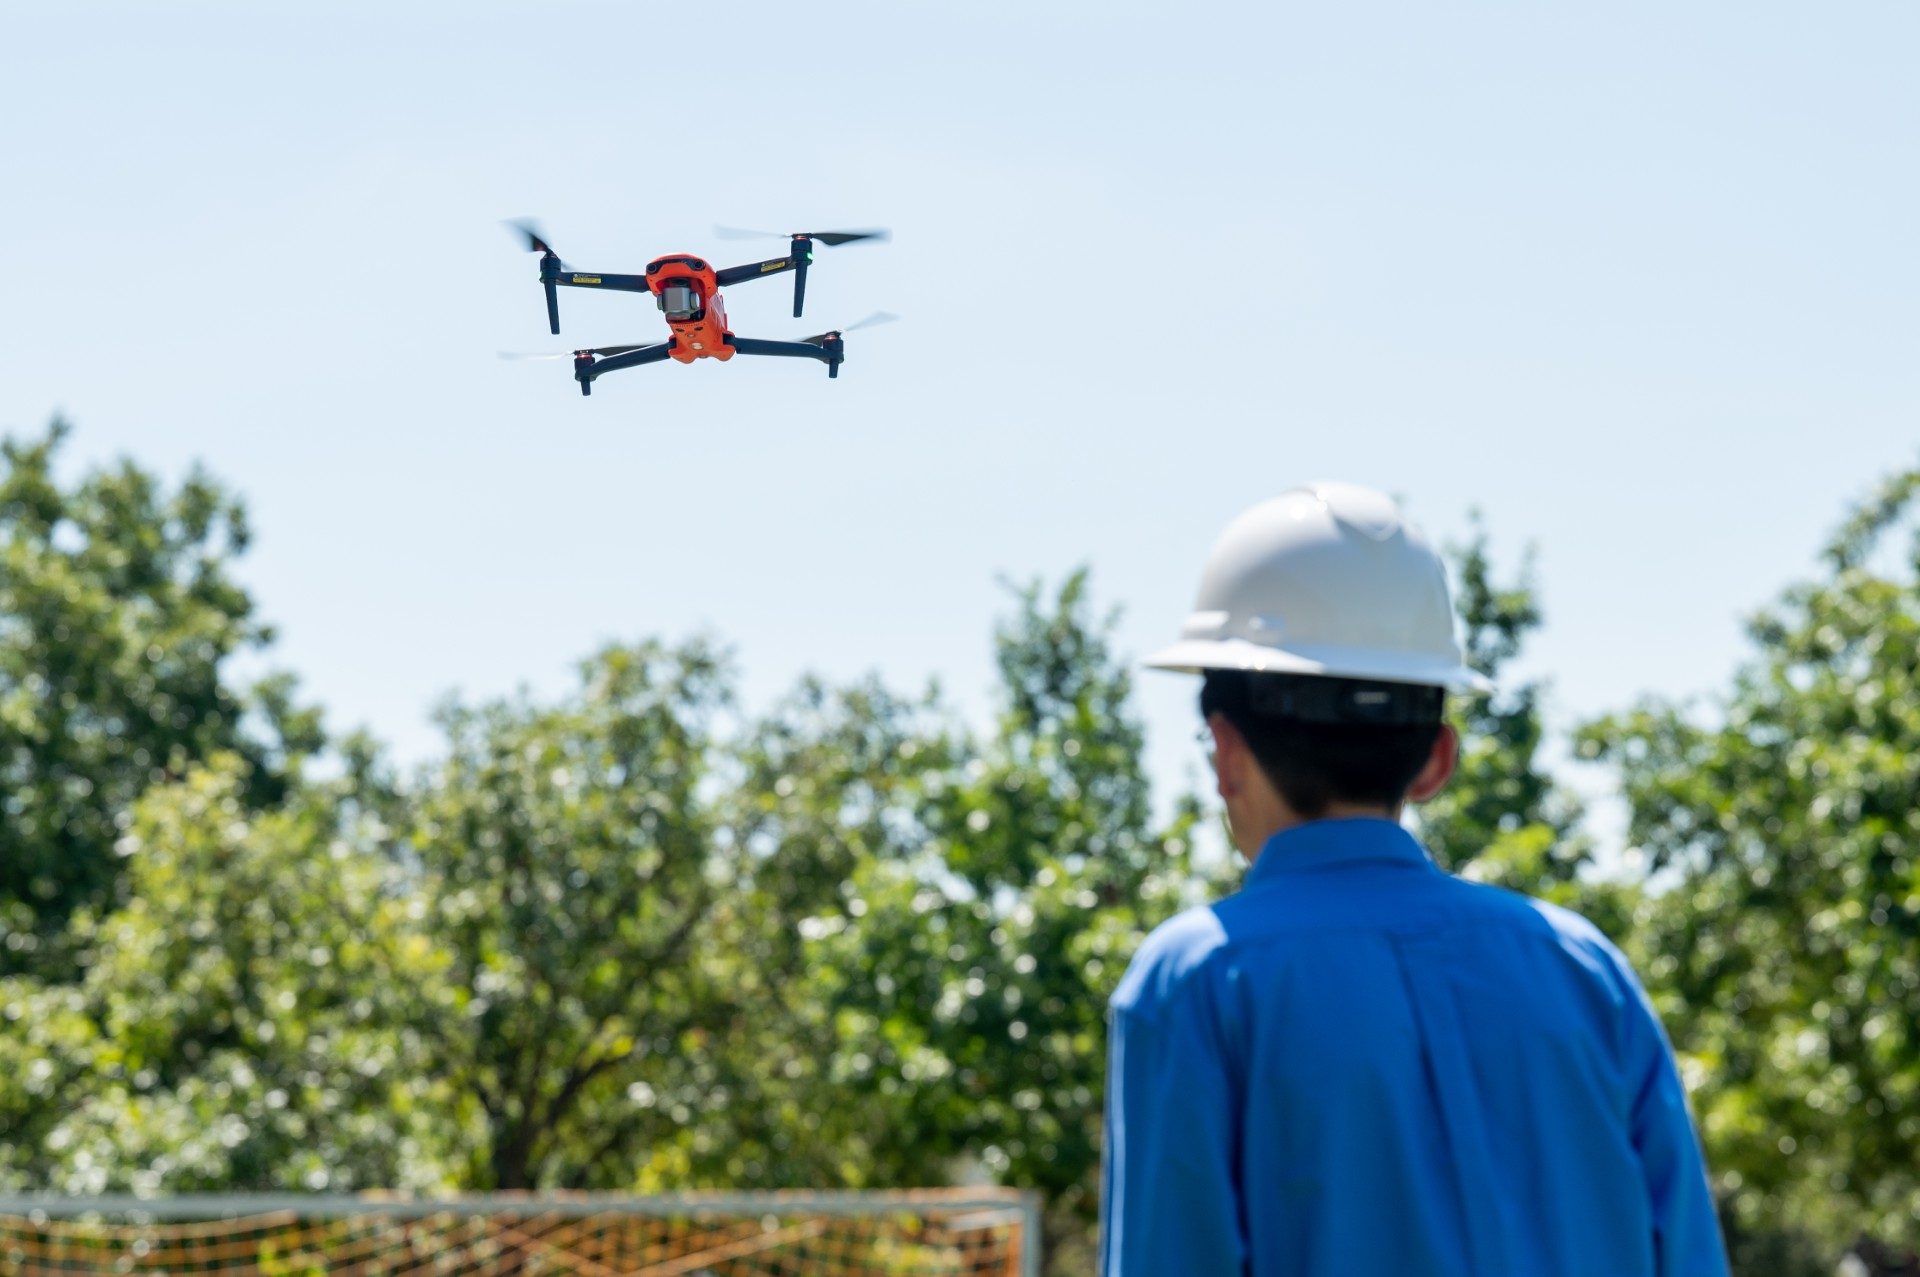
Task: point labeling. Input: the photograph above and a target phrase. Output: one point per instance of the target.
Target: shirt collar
(1325, 844)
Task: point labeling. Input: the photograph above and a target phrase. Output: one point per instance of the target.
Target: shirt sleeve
(1170, 1193)
(1686, 1231)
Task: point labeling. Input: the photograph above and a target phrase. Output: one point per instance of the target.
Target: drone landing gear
(828, 348)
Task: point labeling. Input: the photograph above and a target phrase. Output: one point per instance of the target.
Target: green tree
(571, 866)
(252, 1017)
(543, 963)
(1786, 952)
(824, 802)
(119, 619)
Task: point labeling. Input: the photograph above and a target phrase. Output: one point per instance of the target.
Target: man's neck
(1285, 819)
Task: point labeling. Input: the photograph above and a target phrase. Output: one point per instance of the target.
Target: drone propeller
(575, 354)
(803, 242)
(877, 317)
(832, 239)
(529, 230)
(550, 265)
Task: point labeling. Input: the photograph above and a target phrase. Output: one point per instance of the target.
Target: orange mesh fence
(935, 1233)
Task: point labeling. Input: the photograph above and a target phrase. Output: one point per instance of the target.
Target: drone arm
(586, 367)
(829, 352)
(552, 276)
(753, 270)
(796, 261)
(618, 283)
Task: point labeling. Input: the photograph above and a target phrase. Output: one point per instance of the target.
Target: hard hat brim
(1195, 656)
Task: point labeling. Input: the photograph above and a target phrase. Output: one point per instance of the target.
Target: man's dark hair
(1327, 740)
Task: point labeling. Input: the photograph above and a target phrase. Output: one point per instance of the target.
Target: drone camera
(680, 300)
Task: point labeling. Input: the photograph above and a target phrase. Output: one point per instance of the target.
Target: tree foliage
(568, 866)
(251, 1017)
(119, 619)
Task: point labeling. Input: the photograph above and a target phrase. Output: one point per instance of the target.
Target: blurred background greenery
(635, 937)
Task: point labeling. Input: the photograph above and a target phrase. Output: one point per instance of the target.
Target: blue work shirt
(1361, 1065)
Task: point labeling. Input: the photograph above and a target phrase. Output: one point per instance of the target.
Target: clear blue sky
(1638, 280)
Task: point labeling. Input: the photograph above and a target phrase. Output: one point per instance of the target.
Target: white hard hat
(1329, 580)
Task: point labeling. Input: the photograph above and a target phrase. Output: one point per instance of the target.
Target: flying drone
(687, 290)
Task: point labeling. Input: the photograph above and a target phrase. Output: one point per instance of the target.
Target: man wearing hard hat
(1358, 1064)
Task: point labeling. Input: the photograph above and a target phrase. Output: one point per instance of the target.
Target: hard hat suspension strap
(1313, 699)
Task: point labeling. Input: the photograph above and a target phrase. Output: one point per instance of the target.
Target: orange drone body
(703, 334)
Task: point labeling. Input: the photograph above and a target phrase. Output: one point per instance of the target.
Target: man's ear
(1230, 754)
(1441, 761)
